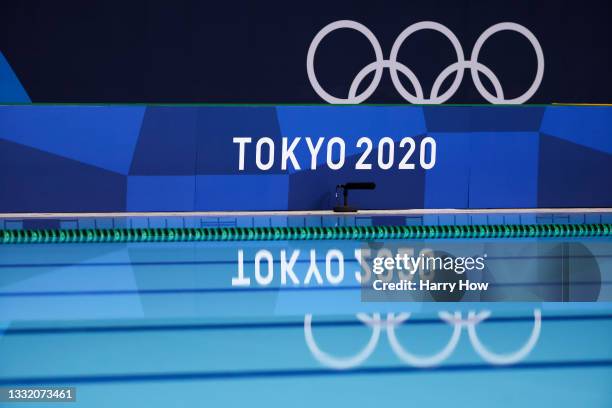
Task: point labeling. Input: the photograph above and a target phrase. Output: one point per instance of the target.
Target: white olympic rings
(394, 66)
(376, 323)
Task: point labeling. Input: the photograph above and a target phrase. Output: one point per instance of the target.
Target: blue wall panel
(483, 118)
(503, 170)
(161, 193)
(32, 180)
(447, 184)
(167, 143)
(97, 135)
(238, 192)
(571, 175)
(589, 126)
(117, 158)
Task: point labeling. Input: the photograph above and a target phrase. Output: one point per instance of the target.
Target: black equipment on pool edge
(345, 189)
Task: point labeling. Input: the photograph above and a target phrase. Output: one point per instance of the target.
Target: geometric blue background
(173, 158)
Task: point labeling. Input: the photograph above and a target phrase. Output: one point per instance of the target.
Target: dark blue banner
(474, 51)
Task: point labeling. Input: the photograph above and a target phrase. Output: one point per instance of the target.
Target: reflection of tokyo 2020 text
(332, 266)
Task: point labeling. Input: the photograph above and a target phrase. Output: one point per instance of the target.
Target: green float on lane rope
(53, 236)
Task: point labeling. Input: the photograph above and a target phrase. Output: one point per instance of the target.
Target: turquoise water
(162, 325)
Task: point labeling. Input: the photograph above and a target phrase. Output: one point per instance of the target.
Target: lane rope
(119, 235)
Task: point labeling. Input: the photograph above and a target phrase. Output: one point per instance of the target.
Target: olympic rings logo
(455, 319)
(476, 68)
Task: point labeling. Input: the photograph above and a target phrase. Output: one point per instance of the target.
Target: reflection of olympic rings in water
(348, 362)
(377, 67)
(455, 319)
